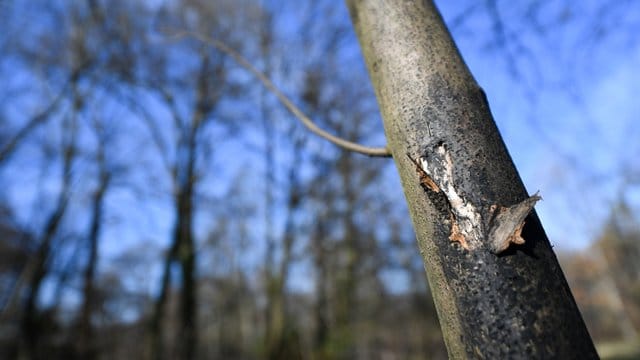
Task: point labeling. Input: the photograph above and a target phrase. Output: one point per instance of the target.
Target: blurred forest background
(157, 202)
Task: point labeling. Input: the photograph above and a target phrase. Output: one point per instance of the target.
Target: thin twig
(306, 121)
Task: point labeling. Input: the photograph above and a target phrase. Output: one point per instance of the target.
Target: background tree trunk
(38, 267)
(492, 304)
(86, 339)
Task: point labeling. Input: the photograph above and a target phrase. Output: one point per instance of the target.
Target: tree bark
(86, 339)
(38, 267)
(183, 250)
(320, 316)
(496, 296)
(154, 342)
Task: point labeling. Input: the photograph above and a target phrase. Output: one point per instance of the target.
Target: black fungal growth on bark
(495, 300)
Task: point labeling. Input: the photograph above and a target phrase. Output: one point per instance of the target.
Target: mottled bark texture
(498, 288)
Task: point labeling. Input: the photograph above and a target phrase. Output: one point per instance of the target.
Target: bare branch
(37, 119)
(306, 121)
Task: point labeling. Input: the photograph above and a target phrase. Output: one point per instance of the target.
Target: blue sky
(570, 123)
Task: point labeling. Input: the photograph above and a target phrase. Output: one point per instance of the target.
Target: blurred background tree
(157, 202)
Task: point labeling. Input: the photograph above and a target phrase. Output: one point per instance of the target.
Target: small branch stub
(467, 227)
(506, 226)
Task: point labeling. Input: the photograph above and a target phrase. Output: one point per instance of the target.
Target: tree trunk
(154, 342)
(182, 251)
(322, 326)
(187, 337)
(38, 267)
(37, 270)
(496, 296)
(86, 343)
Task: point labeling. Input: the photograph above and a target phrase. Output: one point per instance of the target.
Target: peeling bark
(467, 221)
